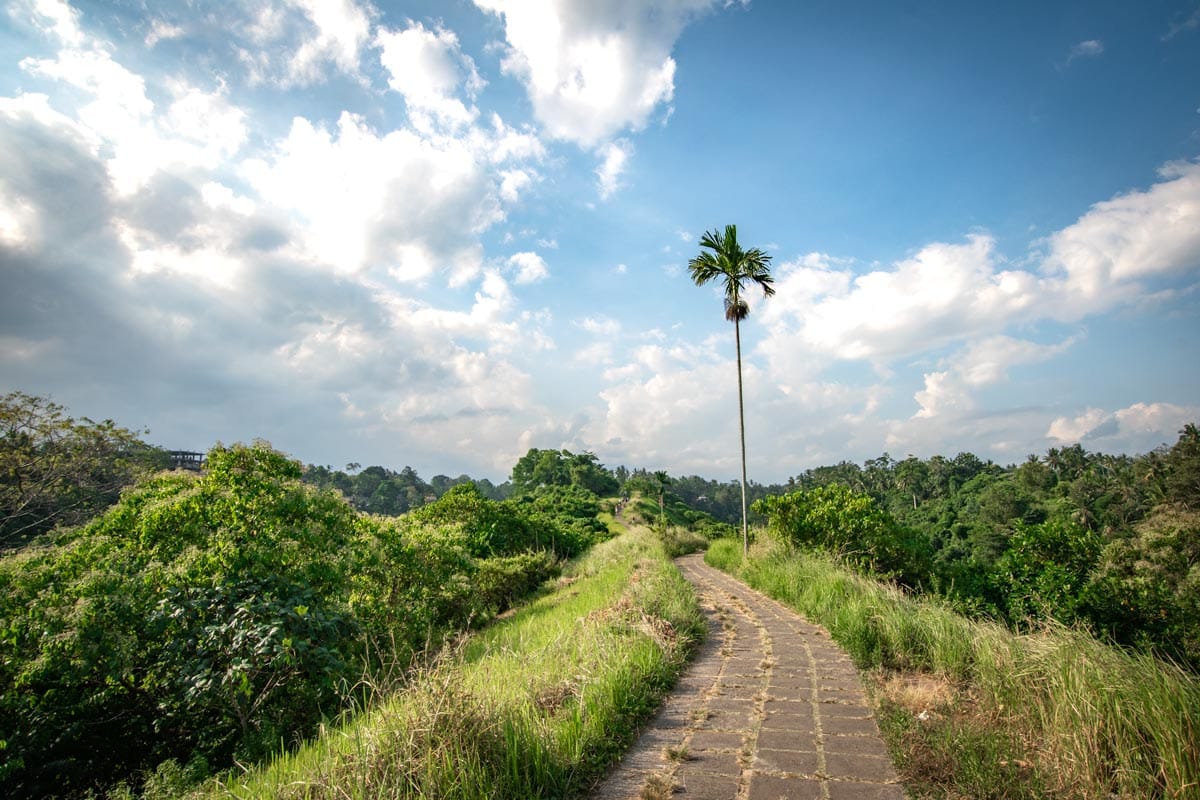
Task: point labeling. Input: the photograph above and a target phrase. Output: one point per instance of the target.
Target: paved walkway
(771, 709)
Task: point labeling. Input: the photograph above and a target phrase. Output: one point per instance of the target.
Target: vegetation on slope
(217, 616)
(535, 706)
(1136, 585)
(973, 709)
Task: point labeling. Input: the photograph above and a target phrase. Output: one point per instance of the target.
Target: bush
(220, 615)
(850, 525)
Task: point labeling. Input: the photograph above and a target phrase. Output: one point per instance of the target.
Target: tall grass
(1095, 720)
(536, 706)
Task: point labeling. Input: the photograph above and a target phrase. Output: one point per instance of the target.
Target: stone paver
(770, 709)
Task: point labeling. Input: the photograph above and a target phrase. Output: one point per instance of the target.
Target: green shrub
(226, 614)
(850, 525)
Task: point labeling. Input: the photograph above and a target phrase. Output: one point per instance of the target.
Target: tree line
(1110, 542)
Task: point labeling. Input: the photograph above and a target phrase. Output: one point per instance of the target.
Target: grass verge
(972, 710)
(536, 706)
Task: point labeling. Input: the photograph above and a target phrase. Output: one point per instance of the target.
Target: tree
(56, 470)
(724, 260)
(663, 480)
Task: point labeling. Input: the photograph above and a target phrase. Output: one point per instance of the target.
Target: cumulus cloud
(950, 391)
(199, 129)
(1137, 428)
(946, 293)
(592, 69)
(363, 199)
(52, 16)
(429, 68)
(963, 298)
(1106, 256)
(599, 326)
(256, 280)
(296, 42)
(528, 267)
(919, 303)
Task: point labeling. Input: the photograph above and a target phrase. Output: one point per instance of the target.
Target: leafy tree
(538, 468)
(55, 470)
(852, 526)
(1146, 589)
(1047, 567)
(724, 260)
(1182, 463)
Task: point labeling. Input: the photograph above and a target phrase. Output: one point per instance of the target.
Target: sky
(437, 234)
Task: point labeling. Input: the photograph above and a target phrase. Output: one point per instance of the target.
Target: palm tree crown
(722, 258)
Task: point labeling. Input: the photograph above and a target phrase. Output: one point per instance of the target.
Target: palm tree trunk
(737, 333)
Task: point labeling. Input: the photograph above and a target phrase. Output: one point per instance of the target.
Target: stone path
(771, 709)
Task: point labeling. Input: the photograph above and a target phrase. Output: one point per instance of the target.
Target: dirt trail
(771, 709)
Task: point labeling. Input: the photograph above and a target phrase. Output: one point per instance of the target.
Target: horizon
(437, 234)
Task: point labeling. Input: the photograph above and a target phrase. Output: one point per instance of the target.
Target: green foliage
(1075, 537)
(543, 468)
(678, 541)
(492, 528)
(55, 470)
(849, 524)
(573, 510)
(223, 614)
(1146, 588)
(1046, 569)
(537, 706)
(378, 490)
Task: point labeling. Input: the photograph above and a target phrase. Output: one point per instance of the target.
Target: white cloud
(294, 43)
(1130, 238)
(53, 16)
(18, 221)
(594, 354)
(950, 392)
(342, 28)
(428, 67)
(948, 293)
(512, 181)
(926, 300)
(599, 326)
(1182, 24)
(528, 266)
(614, 157)
(200, 129)
(213, 128)
(161, 31)
(1137, 428)
(503, 144)
(1087, 49)
(363, 200)
(593, 69)
(206, 263)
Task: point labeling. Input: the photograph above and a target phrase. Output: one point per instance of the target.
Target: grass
(1054, 713)
(536, 706)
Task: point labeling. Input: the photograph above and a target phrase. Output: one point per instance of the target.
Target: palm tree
(663, 480)
(724, 259)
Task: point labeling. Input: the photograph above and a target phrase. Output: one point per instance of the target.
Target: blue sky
(439, 233)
